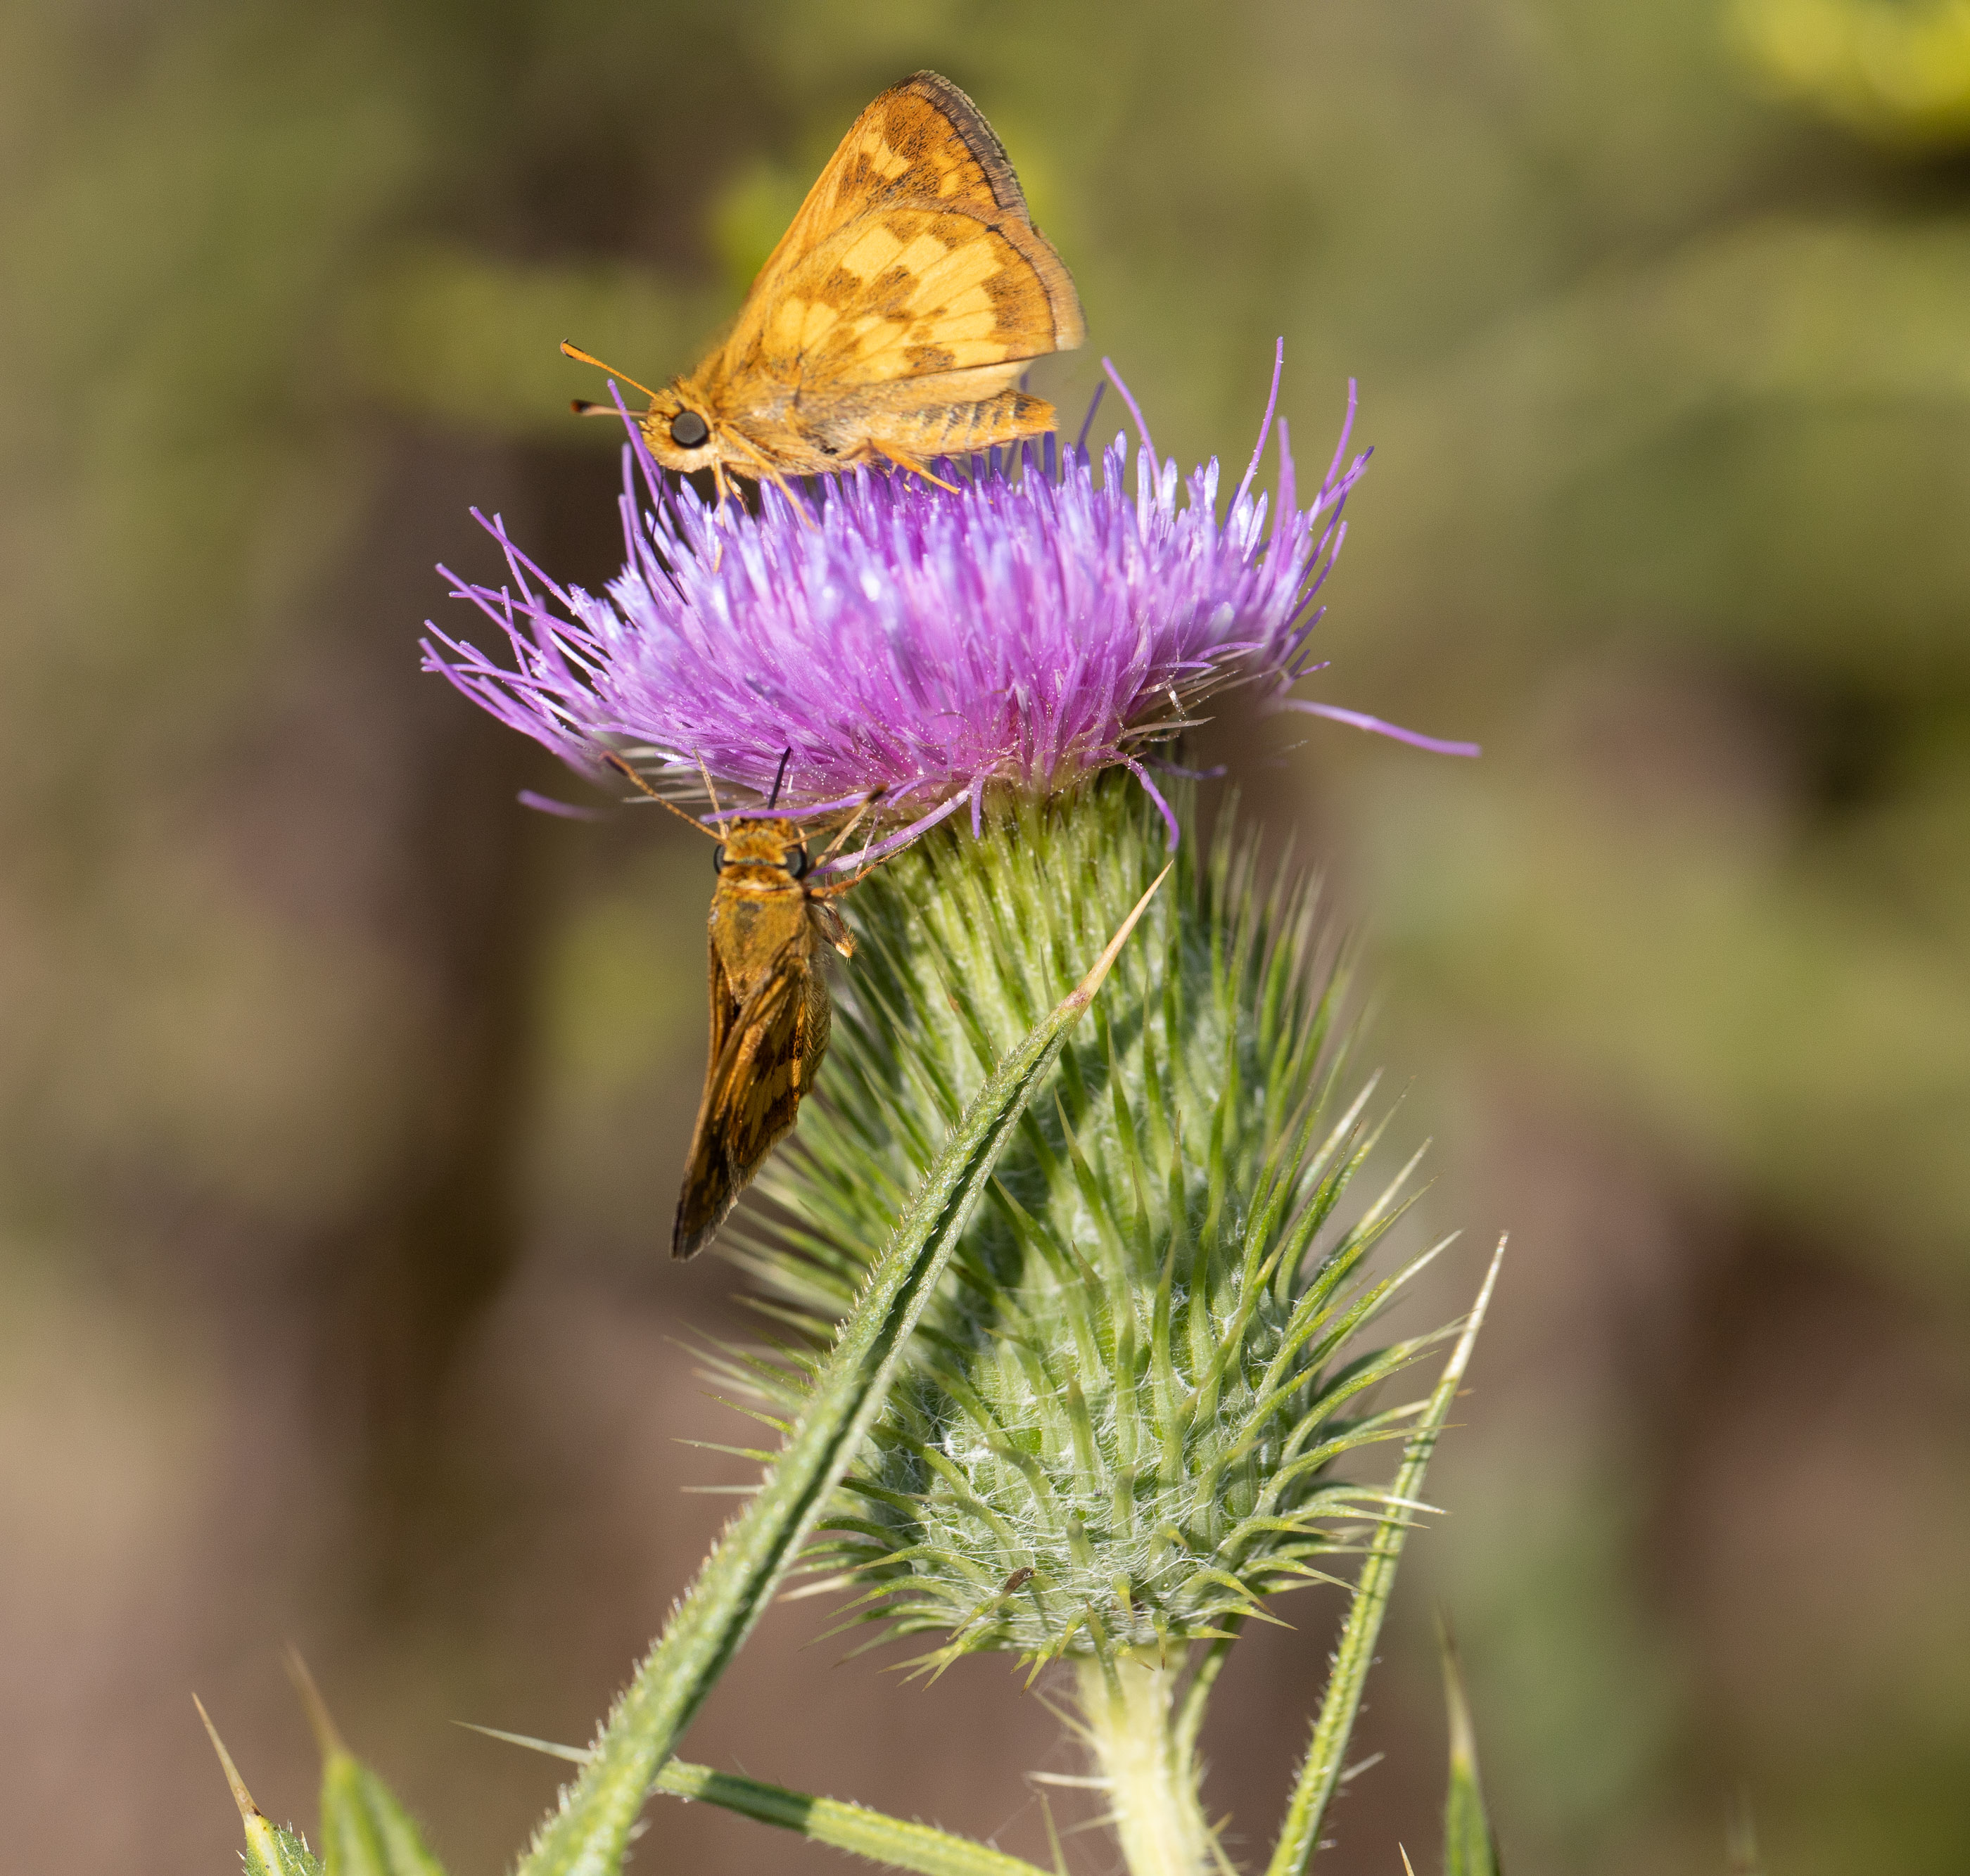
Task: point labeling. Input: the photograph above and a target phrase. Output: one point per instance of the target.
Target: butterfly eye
(718, 857)
(796, 862)
(689, 430)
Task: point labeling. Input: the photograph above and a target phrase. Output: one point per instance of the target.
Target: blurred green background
(345, 1100)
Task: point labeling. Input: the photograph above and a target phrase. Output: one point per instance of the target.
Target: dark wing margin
(983, 143)
(977, 136)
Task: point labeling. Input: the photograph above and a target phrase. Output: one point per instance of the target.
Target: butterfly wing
(911, 292)
(764, 1054)
(922, 142)
(912, 280)
(922, 145)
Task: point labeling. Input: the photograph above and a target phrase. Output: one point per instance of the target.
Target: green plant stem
(1128, 1717)
(1320, 1770)
(589, 1832)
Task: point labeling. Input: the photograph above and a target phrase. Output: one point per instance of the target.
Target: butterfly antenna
(704, 774)
(780, 776)
(628, 774)
(588, 358)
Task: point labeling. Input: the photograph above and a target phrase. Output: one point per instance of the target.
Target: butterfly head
(681, 435)
(763, 846)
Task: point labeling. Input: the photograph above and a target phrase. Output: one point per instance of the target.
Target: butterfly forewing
(916, 234)
(922, 144)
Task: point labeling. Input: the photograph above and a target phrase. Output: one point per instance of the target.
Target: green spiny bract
(1120, 1425)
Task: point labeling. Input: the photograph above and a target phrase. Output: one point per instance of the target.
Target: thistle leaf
(588, 1834)
(1469, 1849)
(271, 1851)
(889, 1841)
(1320, 1769)
(277, 1850)
(364, 1832)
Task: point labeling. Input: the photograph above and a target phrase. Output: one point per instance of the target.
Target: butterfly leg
(904, 460)
(847, 827)
(821, 899)
(829, 923)
(841, 886)
(855, 878)
(767, 472)
(799, 506)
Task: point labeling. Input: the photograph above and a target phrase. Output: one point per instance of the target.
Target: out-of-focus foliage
(1898, 70)
(343, 1100)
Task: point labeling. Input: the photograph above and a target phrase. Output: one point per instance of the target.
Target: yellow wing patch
(913, 291)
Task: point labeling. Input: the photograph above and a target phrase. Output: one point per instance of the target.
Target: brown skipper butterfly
(893, 319)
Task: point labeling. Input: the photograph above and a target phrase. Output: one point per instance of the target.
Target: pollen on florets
(1034, 623)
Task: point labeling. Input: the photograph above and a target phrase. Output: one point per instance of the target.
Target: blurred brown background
(344, 1099)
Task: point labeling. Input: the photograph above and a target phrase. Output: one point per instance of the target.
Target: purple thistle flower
(1037, 624)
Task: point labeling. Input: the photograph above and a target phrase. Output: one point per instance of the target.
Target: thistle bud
(1120, 1432)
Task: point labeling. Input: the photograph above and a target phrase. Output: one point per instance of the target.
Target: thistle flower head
(1039, 621)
